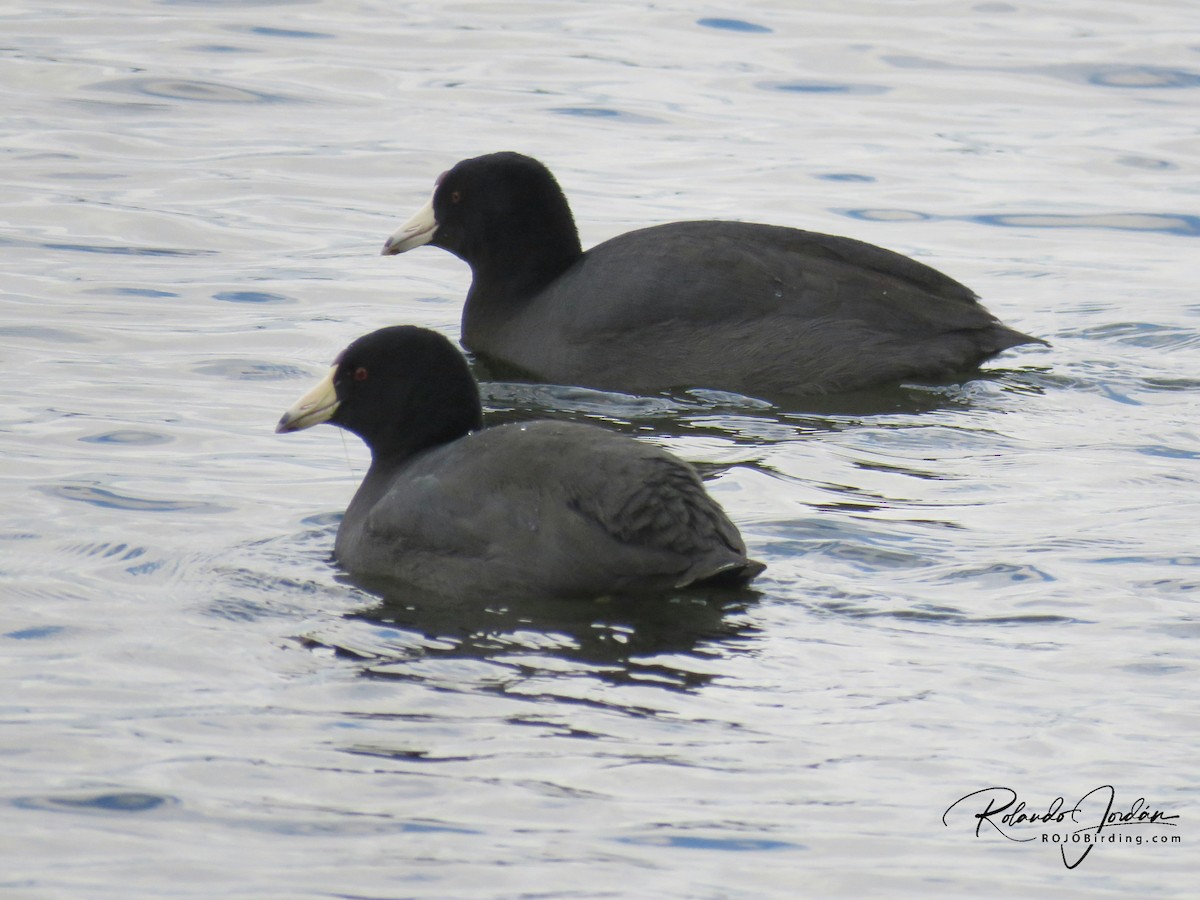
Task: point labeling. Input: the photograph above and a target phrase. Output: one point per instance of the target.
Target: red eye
(455, 196)
(360, 374)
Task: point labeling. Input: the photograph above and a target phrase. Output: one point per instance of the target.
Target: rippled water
(989, 583)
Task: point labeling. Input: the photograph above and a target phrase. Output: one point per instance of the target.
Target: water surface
(991, 582)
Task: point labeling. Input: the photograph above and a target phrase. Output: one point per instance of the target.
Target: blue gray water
(978, 584)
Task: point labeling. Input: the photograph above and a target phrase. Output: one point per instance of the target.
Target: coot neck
(382, 472)
(379, 477)
(519, 260)
(423, 420)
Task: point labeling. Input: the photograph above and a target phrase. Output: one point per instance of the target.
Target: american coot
(756, 309)
(532, 509)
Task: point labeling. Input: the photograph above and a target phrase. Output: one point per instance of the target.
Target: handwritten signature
(1003, 810)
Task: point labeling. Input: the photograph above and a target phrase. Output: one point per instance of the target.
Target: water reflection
(602, 112)
(108, 499)
(1105, 75)
(1181, 224)
(187, 89)
(620, 640)
(823, 87)
(735, 25)
(732, 417)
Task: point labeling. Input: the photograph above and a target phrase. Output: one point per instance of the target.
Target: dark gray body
(542, 508)
(757, 309)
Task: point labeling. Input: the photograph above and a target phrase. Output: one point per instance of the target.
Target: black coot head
(400, 389)
(499, 207)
